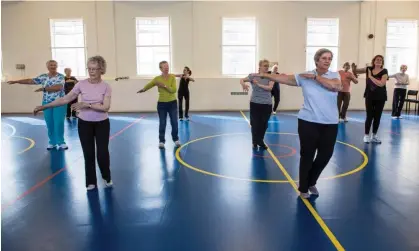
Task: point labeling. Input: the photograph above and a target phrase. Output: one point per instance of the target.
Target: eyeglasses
(93, 69)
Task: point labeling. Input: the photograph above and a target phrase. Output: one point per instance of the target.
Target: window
(402, 46)
(322, 33)
(239, 46)
(153, 44)
(68, 45)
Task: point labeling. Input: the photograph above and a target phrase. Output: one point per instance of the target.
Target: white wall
(196, 37)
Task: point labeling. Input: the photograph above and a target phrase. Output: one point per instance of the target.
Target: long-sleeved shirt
(402, 80)
(164, 94)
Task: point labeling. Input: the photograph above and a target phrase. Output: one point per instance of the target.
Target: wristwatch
(90, 105)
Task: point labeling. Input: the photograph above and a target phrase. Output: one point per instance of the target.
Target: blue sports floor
(215, 193)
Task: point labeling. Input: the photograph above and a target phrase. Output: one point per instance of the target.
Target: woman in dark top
(275, 90)
(183, 91)
(70, 82)
(375, 95)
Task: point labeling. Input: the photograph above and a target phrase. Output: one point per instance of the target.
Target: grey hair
(100, 61)
(320, 52)
(51, 61)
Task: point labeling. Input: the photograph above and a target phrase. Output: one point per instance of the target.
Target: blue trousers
(54, 118)
(164, 108)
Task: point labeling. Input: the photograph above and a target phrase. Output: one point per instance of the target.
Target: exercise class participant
(400, 89)
(317, 120)
(344, 96)
(93, 122)
(260, 103)
(70, 81)
(275, 90)
(167, 104)
(53, 88)
(375, 95)
(183, 91)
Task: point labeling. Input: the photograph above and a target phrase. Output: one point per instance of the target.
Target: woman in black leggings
(183, 91)
(375, 95)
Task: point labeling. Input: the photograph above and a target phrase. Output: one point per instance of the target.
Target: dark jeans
(374, 110)
(343, 97)
(183, 95)
(69, 112)
(259, 118)
(398, 101)
(314, 137)
(164, 108)
(89, 134)
(276, 94)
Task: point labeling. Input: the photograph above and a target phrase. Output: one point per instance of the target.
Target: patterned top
(47, 81)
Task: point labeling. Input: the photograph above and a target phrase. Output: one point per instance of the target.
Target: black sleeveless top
(184, 85)
(373, 91)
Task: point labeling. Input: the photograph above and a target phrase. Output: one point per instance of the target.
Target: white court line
(13, 129)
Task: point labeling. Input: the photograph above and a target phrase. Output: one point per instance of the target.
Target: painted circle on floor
(275, 158)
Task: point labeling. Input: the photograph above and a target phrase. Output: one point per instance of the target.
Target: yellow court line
(27, 148)
(323, 225)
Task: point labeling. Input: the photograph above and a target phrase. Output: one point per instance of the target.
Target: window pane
(76, 40)
(153, 31)
(401, 46)
(239, 31)
(70, 58)
(402, 33)
(311, 51)
(322, 32)
(148, 59)
(65, 35)
(67, 27)
(239, 60)
(398, 56)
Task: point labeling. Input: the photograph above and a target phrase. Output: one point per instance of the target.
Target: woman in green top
(167, 103)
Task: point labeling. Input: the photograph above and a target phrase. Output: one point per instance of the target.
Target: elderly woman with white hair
(400, 89)
(260, 103)
(317, 120)
(52, 88)
(93, 124)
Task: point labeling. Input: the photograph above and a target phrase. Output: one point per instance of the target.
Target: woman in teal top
(53, 88)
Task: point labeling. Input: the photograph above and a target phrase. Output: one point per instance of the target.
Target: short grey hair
(100, 61)
(320, 52)
(51, 61)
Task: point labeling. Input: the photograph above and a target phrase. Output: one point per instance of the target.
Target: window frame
(256, 45)
(416, 69)
(170, 59)
(51, 22)
(335, 57)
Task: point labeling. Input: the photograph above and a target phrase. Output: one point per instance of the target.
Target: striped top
(260, 95)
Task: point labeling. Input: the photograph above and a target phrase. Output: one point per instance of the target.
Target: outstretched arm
(332, 84)
(148, 86)
(280, 78)
(28, 81)
(58, 102)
